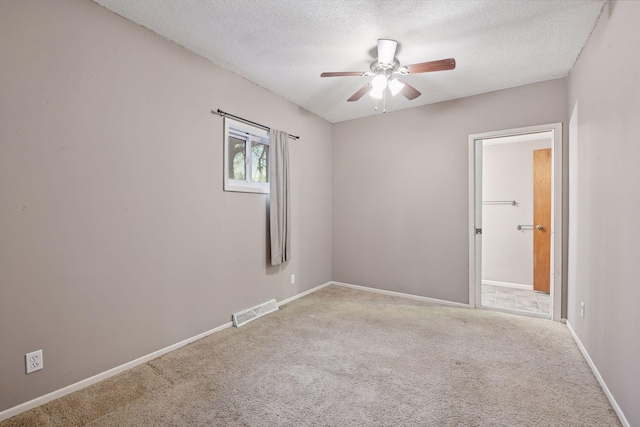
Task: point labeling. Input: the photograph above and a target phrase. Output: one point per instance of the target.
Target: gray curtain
(279, 201)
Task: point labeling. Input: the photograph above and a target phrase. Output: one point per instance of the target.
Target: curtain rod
(224, 114)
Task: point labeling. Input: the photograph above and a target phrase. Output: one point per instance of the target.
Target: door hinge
(478, 230)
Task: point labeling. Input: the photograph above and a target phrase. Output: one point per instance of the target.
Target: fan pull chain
(384, 101)
(376, 107)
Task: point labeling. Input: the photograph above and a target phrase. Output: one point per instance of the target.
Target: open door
(542, 220)
(548, 277)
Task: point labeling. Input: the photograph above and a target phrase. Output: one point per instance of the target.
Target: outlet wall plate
(293, 279)
(34, 361)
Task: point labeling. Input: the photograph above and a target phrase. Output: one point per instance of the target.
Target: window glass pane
(237, 157)
(259, 162)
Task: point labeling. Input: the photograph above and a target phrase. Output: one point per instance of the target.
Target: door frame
(475, 212)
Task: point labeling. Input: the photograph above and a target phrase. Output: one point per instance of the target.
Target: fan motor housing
(380, 68)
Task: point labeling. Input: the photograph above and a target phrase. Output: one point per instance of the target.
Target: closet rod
(499, 202)
(225, 114)
(522, 227)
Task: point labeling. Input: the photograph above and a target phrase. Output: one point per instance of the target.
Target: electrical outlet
(293, 279)
(582, 310)
(34, 361)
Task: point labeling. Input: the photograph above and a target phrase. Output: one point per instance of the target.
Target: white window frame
(249, 134)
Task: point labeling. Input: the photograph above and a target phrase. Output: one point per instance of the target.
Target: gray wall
(604, 85)
(401, 197)
(507, 174)
(116, 238)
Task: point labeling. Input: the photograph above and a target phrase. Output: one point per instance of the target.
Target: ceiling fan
(386, 69)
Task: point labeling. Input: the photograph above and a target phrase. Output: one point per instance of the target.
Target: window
(246, 153)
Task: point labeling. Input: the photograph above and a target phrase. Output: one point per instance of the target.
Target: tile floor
(516, 299)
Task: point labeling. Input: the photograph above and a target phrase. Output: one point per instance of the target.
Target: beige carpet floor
(341, 357)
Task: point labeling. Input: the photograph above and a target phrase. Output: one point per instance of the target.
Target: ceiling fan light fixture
(384, 70)
(376, 93)
(395, 86)
(379, 82)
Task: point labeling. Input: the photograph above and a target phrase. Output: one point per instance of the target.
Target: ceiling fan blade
(409, 91)
(426, 67)
(360, 93)
(344, 74)
(386, 51)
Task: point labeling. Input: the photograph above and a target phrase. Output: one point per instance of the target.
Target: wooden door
(542, 220)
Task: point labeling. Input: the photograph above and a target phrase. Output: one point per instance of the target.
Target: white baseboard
(38, 401)
(302, 294)
(401, 295)
(508, 284)
(612, 400)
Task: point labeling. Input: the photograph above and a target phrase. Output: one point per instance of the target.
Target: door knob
(539, 227)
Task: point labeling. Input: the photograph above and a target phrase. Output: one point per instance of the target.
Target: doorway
(515, 220)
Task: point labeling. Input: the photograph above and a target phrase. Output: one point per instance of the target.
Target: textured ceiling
(284, 45)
